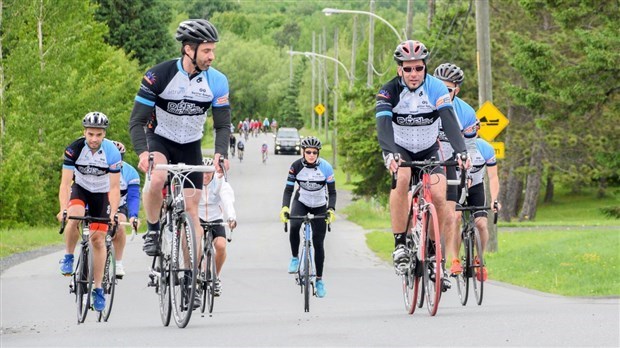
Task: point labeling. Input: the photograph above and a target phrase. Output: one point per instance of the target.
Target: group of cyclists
(252, 127)
(418, 116)
(237, 147)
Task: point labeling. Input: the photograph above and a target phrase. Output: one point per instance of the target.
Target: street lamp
(312, 54)
(330, 11)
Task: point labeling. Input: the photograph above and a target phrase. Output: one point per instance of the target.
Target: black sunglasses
(311, 152)
(409, 69)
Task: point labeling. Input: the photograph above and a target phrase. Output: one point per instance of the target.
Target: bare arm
(115, 193)
(64, 192)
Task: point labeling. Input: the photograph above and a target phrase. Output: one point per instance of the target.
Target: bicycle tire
(183, 270)
(432, 266)
(108, 284)
(306, 278)
(410, 281)
(478, 284)
(202, 272)
(163, 289)
(462, 280)
(84, 281)
(211, 276)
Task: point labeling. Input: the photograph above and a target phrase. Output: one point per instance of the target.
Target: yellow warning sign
(320, 109)
(492, 121)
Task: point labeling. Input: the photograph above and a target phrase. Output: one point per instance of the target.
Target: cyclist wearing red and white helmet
(408, 110)
(172, 105)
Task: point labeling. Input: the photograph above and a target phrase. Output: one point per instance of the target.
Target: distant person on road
(316, 194)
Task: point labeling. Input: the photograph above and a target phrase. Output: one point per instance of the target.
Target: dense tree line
(554, 64)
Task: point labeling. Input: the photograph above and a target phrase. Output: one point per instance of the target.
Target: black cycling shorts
(190, 153)
(98, 204)
(216, 231)
(477, 198)
(421, 156)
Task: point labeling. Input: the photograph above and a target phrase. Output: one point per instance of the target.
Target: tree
(140, 28)
(206, 9)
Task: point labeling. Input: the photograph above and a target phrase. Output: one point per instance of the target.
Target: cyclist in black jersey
(316, 194)
(91, 174)
(171, 105)
(408, 110)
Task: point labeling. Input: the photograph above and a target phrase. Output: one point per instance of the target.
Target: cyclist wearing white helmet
(452, 76)
(171, 105)
(217, 204)
(408, 109)
(90, 177)
(316, 194)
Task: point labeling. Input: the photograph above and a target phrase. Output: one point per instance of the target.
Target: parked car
(287, 140)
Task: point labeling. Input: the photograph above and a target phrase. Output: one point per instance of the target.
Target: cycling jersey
(315, 183)
(217, 200)
(180, 104)
(130, 189)
(264, 148)
(91, 170)
(482, 153)
(410, 118)
(467, 121)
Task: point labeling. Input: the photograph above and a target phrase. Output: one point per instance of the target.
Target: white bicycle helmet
(95, 119)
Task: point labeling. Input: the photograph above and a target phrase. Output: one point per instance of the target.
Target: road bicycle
(470, 252)
(423, 241)
(306, 272)
(174, 271)
(240, 155)
(264, 155)
(82, 279)
(207, 276)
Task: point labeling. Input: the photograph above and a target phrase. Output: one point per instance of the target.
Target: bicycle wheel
(410, 281)
(432, 264)
(84, 283)
(211, 279)
(462, 280)
(306, 277)
(478, 283)
(163, 289)
(108, 284)
(202, 278)
(183, 270)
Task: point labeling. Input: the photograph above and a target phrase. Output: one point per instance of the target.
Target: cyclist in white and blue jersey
(452, 76)
(408, 110)
(129, 207)
(316, 194)
(483, 157)
(171, 106)
(90, 177)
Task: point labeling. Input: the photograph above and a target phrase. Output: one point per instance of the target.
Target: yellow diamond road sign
(320, 109)
(492, 121)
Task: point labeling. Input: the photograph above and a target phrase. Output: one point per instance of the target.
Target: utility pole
(409, 26)
(312, 113)
(326, 86)
(335, 117)
(485, 90)
(290, 68)
(371, 45)
(319, 81)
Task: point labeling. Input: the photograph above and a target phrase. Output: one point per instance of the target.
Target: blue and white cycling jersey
(91, 169)
(130, 189)
(482, 153)
(312, 182)
(181, 102)
(467, 120)
(414, 115)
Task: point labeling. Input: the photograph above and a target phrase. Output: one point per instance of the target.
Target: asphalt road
(262, 306)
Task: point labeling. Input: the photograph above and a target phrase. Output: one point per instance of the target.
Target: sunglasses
(409, 69)
(451, 89)
(311, 152)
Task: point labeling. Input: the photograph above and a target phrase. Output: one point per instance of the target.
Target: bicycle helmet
(207, 161)
(410, 50)
(197, 30)
(95, 119)
(449, 72)
(312, 142)
(119, 146)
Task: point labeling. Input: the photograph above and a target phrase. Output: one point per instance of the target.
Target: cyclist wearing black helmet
(169, 114)
(90, 177)
(316, 194)
(408, 110)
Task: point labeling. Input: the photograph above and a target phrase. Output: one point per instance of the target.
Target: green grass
(27, 238)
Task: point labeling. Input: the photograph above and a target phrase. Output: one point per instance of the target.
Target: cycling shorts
(98, 204)
(190, 153)
(420, 156)
(476, 198)
(123, 210)
(452, 191)
(216, 231)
